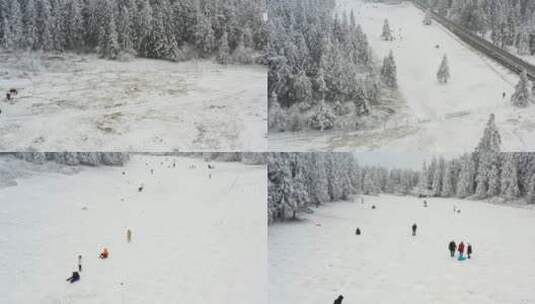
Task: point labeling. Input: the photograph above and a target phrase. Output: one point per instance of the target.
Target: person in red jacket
(460, 248)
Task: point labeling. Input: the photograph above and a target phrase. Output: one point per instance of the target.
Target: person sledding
(460, 249)
(104, 254)
(469, 250)
(74, 277)
(414, 227)
(339, 300)
(452, 247)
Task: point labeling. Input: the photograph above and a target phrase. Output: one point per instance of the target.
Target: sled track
(499, 55)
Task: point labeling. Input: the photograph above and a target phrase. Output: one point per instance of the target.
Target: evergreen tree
(387, 32)
(509, 178)
(522, 95)
(389, 71)
(223, 55)
(427, 19)
(443, 74)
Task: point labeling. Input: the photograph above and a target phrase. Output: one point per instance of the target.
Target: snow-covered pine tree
(509, 177)
(523, 43)
(443, 74)
(223, 53)
(530, 197)
(522, 95)
(15, 22)
(437, 178)
(448, 188)
(491, 139)
(323, 118)
(389, 71)
(387, 32)
(31, 35)
(465, 183)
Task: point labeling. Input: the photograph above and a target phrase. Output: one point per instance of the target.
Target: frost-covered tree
(389, 71)
(443, 74)
(323, 118)
(387, 32)
(223, 53)
(465, 183)
(509, 177)
(522, 95)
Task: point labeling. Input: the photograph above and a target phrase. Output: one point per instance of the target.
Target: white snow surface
(315, 260)
(438, 118)
(195, 239)
(75, 102)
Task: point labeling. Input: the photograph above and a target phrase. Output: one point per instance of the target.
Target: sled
(461, 258)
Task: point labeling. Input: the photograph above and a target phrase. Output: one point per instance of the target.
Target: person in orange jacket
(104, 254)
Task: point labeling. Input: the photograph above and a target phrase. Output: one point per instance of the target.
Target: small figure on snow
(461, 250)
(13, 92)
(124, 173)
(469, 250)
(80, 263)
(74, 277)
(452, 246)
(152, 171)
(414, 227)
(425, 204)
(8, 96)
(104, 254)
(140, 188)
(503, 95)
(339, 300)
(357, 232)
(128, 235)
(373, 206)
(211, 166)
(443, 74)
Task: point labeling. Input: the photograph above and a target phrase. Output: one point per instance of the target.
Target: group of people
(104, 254)
(460, 248)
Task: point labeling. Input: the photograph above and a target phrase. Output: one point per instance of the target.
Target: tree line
(230, 30)
(74, 158)
(506, 23)
(297, 181)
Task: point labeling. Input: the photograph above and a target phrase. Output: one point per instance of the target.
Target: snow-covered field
(315, 260)
(195, 239)
(440, 118)
(82, 103)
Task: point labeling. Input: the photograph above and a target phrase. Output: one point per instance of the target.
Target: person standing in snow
(469, 250)
(357, 232)
(414, 227)
(461, 249)
(80, 263)
(129, 235)
(452, 246)
(339, 299)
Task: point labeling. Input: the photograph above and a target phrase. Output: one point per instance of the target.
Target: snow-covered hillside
(82, 103)
(315, 260)
(438, 118)
(195, 239)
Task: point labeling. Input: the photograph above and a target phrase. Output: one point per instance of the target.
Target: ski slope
(75, 102)
(195, 239)
(315, 260)
(438, 118)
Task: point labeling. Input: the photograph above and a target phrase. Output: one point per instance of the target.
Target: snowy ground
(82, 103)
(315, 260)
(195, 239)
(440, 118)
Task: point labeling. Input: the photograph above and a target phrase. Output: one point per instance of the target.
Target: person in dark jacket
(339, 299)
(452, 246)
(414, 227)
(357, 232)
(80, 263)
(74, 277)
(469, 250)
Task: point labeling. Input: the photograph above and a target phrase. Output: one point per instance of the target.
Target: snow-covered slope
(315, 260)
(82, 103)
(439, 118)
(195, 239)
